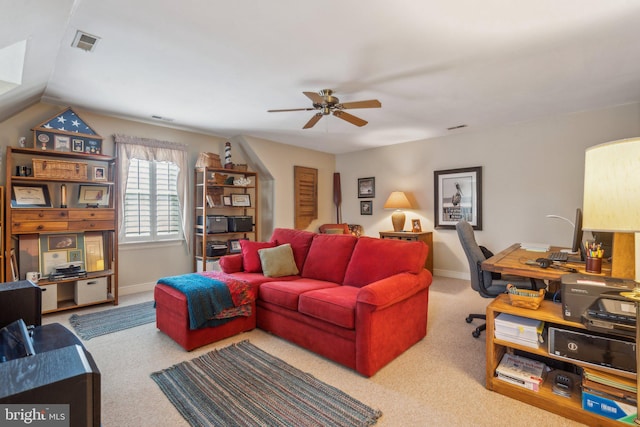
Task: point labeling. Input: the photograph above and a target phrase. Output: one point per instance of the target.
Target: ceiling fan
(326, 104)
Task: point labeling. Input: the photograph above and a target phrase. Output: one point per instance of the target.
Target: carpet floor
(104, 322)
(242, 385)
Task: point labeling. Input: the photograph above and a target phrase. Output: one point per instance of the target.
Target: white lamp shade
(612, 187)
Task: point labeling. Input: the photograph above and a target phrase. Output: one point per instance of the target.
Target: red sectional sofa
(360, 302)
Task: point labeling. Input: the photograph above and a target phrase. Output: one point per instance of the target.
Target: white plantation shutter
(153, 189)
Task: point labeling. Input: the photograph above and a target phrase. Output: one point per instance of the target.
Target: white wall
(529, 170)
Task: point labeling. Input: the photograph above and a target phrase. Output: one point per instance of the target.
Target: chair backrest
(480, 280)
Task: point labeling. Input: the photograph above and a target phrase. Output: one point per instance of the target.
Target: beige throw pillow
(278, 261)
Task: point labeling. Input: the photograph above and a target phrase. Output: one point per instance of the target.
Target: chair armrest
(231, 263)
(395, 288)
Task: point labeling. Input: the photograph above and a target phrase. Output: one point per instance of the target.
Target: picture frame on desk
(93, 195)
(458, 196)
(240, 200)
(30, 196)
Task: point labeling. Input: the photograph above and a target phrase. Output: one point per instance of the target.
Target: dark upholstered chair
(486, 283)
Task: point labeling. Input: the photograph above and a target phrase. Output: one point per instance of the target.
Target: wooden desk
(512, 261)
(423, 236)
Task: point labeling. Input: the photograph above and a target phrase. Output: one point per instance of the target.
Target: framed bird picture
(458, 196)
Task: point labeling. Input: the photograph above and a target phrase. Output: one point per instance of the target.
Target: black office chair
(488, 284)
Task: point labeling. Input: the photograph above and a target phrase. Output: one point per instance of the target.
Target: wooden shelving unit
(221, 202)
(550, 313)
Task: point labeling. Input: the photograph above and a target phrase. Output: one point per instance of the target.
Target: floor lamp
(612, 203)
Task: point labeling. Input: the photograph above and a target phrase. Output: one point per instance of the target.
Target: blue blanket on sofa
(206, 298)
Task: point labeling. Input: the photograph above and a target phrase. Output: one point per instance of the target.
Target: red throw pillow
(250, 257)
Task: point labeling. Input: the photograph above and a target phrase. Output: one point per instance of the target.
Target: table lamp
(397, 200)
(612, 203)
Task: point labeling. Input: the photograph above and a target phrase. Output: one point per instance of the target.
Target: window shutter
(137, 201)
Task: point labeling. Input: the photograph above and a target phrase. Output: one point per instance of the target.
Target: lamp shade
(612, 187)
(397, 200)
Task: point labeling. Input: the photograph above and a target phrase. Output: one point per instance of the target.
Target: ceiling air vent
(85, 41)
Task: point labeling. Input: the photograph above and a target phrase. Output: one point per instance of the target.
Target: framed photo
(62, 143)
(30, 196)
(366, 207)
(416, 227)
(241, 200)
(226, 200)
(77, 145)
(366, 187)
(458, 196)
(15, 273)
(234, 246)
(99, 173)
(93, 195)
(94, 251)
(62, 242)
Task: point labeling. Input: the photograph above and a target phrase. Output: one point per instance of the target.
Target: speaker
(20, 300)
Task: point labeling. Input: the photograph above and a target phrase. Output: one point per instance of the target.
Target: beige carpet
(438, 382)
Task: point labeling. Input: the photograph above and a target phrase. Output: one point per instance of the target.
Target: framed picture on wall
(458, 196)
(366, 207)
(367, 187)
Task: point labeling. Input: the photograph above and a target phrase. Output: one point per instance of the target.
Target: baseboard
(134, 289)
(451, 274)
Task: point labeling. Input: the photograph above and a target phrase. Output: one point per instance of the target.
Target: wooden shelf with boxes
(550, 313)
(225, 211)
(61, 212)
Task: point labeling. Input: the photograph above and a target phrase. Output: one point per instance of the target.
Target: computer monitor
(577, 234)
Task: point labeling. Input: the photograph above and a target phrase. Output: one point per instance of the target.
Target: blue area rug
(104, 322)
(241, 385)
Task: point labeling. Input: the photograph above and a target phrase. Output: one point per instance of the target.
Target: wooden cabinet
(550, 313)
(53, 220)
(220, 205)
(410, 236)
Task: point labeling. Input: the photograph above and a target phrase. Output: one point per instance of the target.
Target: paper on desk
(535, 247)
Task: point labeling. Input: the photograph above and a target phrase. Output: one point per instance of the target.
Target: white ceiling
(217, 66)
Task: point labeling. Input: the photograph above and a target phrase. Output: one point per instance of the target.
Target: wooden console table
(424, 236)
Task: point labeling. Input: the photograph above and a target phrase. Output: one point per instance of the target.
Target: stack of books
(521, 371)
(519, 330)
(609, 395)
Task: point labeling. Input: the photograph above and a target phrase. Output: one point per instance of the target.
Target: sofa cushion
(300, 241)
(286, 293)
(328, 257)
(334, 305)
(278, 261)
(374, 259)
(231, 263)
(250, 258)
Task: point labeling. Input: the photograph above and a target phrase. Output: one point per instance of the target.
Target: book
(521, 371)
(535, 247)
(519, 330)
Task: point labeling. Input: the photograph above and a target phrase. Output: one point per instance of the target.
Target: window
(151, 206)
(153, 190)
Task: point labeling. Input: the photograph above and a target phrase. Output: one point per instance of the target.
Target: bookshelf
(569, 407)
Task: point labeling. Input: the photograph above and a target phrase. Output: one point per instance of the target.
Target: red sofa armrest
(390, 290)
(231, 263)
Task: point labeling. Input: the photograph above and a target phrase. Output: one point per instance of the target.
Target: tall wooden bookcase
(216, 196)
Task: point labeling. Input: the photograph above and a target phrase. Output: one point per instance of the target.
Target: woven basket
(208, 160)
(525, 298)
(59, 169)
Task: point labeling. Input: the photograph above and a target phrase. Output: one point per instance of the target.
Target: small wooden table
(423, 236)
(513, 261)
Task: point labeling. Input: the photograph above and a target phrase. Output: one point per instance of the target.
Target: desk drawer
(21, 215)
(92, 214)
(91, 290)
(38, 227)
(90, 225)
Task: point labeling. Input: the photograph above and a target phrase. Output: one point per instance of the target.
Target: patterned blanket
(213, 298)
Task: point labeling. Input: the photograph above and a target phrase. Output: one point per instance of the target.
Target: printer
(595, 301)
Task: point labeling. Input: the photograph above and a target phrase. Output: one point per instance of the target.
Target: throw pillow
(278, 261)
(250, 257)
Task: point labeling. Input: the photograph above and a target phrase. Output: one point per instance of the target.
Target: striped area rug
(104, 322)
(241, 385)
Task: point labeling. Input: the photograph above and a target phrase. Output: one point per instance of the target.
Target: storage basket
(241, 167)
(525, 298)
(59, 169)
(208, 160)
(217, 179)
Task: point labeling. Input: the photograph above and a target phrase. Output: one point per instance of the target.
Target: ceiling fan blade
(311, 123)
(314, 97)
(372, 103)
(290, 109)
(350, 118)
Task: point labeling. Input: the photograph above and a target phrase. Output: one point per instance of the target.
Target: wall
(529, 170)
(140, 265)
